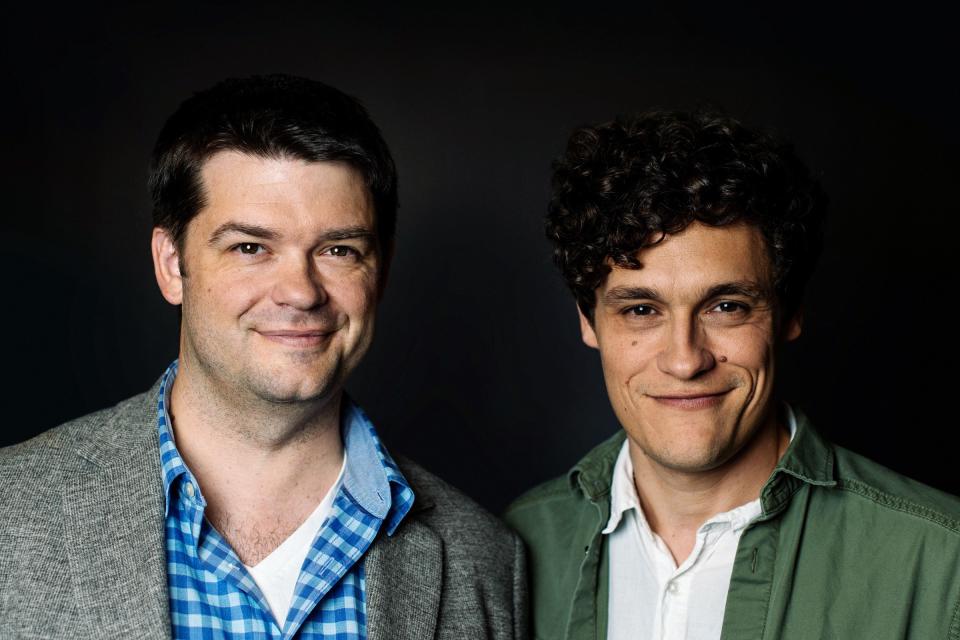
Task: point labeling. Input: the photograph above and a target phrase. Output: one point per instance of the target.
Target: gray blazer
(82, 544)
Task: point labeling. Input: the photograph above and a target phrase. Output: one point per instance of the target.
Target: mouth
(691, 402)
(299, 338)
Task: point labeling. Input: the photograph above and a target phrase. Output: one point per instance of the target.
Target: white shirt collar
(623, 492)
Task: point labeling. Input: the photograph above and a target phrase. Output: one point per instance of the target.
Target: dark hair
(275, 116)
(624, 185)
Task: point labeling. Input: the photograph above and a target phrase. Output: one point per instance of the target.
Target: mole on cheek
(633, 344)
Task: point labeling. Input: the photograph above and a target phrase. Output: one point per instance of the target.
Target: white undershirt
(650, 596)
(277, 574)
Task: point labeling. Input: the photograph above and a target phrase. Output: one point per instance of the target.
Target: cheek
(229, 295)
(627, 359)
(749, 348)
(354, 296)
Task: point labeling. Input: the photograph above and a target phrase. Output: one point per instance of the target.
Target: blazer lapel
(114, 527)
(403, 583)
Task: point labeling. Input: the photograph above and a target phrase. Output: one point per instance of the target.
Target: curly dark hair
(624, 185)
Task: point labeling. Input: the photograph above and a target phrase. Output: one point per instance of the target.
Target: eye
(640, 310)
(728, 306)
(343, 251)
(249, 248)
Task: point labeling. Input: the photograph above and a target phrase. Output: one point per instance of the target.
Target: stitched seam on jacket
(781, 497)
(899, 504)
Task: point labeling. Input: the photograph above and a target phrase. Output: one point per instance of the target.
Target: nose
(685, 354)
(298, 285)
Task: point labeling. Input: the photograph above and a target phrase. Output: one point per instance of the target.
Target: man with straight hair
(246, 495)
(717, 511)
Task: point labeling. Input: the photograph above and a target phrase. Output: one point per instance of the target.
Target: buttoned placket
(676, 589)
(670, 621)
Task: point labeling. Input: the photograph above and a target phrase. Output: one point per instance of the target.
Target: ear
(166, 265)
(587, 331)
(793, 326)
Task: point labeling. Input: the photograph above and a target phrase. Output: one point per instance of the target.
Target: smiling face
(687, 345)
(281, 281)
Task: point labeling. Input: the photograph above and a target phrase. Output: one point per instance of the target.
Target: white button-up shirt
(650, 596)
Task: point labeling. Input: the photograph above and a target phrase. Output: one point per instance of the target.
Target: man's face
(281, 277)
(687, 344)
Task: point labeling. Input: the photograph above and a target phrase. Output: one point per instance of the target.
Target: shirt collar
(171, 464)
(371, 478)
(623, 498)
(808, 458)
(623, 491)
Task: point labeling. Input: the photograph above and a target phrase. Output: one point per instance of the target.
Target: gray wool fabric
(82, 544)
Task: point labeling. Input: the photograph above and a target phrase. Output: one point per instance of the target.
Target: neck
(677, 503)
(255, 461)
(227, 417)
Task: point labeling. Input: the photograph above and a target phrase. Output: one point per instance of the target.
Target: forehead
(700, 256)
(284, 189)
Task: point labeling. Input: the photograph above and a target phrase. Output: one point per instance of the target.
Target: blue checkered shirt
(211, 593)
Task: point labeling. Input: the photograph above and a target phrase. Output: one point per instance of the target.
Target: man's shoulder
(555, 500)
(551, 519)
(453, 515)
(552, 507)
(895, 494)
(54, 452)
(478, 563)
(552, 494)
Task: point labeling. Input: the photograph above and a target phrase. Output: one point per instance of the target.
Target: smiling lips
(691, 402)
(302, 338)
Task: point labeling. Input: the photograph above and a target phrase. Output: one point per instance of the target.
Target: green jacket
(845, 549)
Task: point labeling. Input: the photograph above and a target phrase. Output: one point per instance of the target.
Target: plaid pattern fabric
(213, 596)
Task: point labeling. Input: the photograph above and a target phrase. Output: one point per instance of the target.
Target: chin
(293, 396)
(688, 461)
(687, 448)
(295, 389)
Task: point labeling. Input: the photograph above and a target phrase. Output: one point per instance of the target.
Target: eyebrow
(744, 288)
(348, 233)
(621, 294)
(265, 233)
(253, 230)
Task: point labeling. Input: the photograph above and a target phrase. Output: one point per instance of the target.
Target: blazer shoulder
(476, 565)
(54, 452)
(453, 515)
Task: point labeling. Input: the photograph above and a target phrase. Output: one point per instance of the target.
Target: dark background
(478, 371)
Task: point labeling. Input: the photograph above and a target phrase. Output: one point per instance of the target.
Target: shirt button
(189, 490)
(673, 587)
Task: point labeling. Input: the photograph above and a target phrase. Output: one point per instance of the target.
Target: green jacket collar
(594, 473)
(809, 459)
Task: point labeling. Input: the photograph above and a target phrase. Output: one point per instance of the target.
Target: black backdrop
(477, 370)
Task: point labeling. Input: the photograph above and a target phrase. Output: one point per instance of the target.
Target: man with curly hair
(717, 512)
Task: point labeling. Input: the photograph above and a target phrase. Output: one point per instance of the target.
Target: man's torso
(82, 544)
(844, 549)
